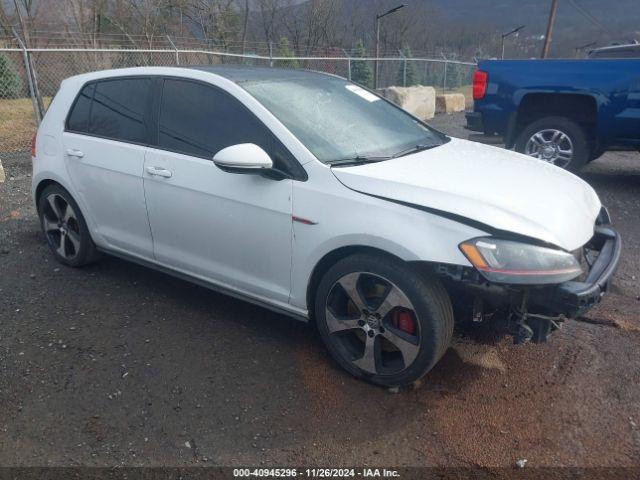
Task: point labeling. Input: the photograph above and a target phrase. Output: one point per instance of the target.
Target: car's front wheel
(65, 228)
(382, 320)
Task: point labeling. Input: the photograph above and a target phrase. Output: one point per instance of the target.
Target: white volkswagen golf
(311, 196)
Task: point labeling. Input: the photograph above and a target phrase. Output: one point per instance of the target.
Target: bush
(10, 82)
(285, 51)
(412, 73)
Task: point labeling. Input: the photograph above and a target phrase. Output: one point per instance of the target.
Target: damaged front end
(526, 302)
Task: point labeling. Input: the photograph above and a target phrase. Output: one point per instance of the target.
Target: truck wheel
(596, 153)
(556, 140)
(382, 321)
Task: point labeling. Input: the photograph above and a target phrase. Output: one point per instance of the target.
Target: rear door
(105, 140)
(227, 228)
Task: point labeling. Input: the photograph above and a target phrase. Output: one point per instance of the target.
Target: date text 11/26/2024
(315, 473)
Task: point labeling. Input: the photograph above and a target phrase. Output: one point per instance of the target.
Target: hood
(496, 187)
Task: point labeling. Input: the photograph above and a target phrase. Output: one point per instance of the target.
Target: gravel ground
(116, 364)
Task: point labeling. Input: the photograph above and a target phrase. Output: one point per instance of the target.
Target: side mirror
(243, 158)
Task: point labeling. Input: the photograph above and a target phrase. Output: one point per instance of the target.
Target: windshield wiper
(415, 149)
(357, 160)
(363, 159)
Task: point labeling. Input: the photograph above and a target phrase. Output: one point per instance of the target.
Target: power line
(590, 17)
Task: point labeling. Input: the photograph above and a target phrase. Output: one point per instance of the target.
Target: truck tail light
(33, 144)
(479, 84)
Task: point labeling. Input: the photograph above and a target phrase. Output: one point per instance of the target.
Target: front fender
(406, 233)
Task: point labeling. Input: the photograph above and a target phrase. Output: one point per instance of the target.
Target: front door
(104, 153)
(231, 229)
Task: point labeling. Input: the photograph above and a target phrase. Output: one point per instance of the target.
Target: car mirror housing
(243, 158)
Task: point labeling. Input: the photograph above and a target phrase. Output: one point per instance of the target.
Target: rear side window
(200, 120)
(114, 109)
(118, 109)
(79, 116)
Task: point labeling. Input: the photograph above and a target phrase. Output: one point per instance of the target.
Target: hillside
(589, 21)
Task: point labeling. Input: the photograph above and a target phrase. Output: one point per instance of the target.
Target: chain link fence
(17, 119)
(29, 78)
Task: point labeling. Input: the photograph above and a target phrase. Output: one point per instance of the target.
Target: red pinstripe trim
(304, 221)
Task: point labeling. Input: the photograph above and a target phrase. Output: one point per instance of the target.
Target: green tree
(284, 50)
(10, 82)
(361, 71)
(412, 73)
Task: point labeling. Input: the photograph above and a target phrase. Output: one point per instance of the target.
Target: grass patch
(17, 124)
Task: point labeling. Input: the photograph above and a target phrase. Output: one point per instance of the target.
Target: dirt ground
(115, 365)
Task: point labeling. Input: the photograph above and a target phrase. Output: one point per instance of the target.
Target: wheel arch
(44, 184)
(579, 107)
(334, 256)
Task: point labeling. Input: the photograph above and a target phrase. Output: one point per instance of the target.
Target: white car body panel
(234, 229)
(490, 185)
(108, 179)
(237, 232)
(407, 233)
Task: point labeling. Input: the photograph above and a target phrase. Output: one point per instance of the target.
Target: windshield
(339, 121)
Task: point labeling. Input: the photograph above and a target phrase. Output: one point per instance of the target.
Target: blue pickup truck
(566, 112)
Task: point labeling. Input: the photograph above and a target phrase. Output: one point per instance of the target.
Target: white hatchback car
(312, 196)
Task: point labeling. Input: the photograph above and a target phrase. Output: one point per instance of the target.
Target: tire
(65, 228)
(542, 129)
(404, 319)
(596, 153)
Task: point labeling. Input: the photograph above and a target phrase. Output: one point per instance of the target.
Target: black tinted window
(118, 109)
(79, 116)
(199, 120)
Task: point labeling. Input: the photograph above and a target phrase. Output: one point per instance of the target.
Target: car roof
(237, 74)
(242, 73)
(631, 50)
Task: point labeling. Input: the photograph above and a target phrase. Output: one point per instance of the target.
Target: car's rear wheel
(556, 140)
(64, 228)
(382, 320)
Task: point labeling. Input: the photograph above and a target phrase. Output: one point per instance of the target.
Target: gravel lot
(116, 364)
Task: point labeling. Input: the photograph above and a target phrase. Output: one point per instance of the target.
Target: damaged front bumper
(574, 298)
(531, 313)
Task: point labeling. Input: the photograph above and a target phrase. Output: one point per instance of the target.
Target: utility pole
(378, 17)
(245, 27)
(547, 37)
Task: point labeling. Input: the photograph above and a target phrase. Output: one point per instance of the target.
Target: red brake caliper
(403, 320)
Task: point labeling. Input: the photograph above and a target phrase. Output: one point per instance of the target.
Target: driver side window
(200, 120)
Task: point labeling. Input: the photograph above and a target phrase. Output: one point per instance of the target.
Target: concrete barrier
(450, 103)
(418, 101)
(1, 173)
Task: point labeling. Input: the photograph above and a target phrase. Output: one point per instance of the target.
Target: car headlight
(506, 261)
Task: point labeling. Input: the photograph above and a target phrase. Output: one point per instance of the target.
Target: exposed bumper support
(532, 313)
(575, 298)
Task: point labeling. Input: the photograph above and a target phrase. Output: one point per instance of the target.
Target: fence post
(27, 66)
(348, 63)
(444, 77)
(175, 48)
(404, 68)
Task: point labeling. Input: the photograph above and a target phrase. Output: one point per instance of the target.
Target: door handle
(74, 153)
(159, 172)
